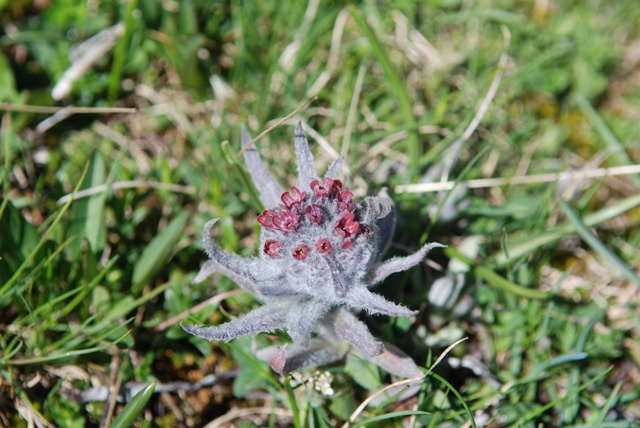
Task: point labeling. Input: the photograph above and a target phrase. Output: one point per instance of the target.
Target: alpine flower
(320, 254)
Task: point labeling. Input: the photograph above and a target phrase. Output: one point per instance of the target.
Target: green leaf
(560, 359)
(120, 53)
(8, 88)
(88, 218)
(158, 252)
(364, 372)
(64, 355)
(253, 373)
(131, 411)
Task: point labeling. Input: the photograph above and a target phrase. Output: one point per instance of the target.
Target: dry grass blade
(364, 404)
(189, 190)
(21, 108)
(527, 179)
(215, 299)
(247, 412)
(278, 123)
(453, 152)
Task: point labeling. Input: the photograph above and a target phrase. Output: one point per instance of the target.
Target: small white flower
(322, 383)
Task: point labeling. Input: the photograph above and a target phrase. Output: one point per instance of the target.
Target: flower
(272, 247)
(314, 213)
(324, 246)
(293, 200)
(321, 254)
(301, 252)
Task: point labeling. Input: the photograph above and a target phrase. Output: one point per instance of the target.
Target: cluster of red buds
(327, 215)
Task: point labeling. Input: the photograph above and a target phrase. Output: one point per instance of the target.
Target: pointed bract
(265, 319)
(333, 171)
(398, 264)
(355, 332)
(231, 265)
(306, 168)
(360, 297)
(267, 186)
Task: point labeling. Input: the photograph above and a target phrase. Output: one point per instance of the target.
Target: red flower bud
(301, 252)
(272, 248)
(314, 214)
(324, 246)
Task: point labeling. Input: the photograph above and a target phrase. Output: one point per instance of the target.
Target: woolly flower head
(320, 253)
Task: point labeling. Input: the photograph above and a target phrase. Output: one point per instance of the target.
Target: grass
(101, 212)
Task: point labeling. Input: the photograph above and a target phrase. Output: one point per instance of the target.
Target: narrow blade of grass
(457, 394)
(533, 414)
(560, 359)
(613, 397)
(398, 90)
(120, 53)
(292, 402)
(598, 246)
(8, 285)
(240, 169)
(158, 252)
(531, 244)
(59, 356)
(496, 280)
(618, 152)
(134, 407)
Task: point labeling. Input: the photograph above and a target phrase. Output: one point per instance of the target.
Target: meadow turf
(101, 211)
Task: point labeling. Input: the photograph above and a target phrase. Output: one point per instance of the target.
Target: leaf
(128, 415)
(88, 218)
(158, 252)
(8, 88)
(253, 373)
(556, 361)
(364, 372)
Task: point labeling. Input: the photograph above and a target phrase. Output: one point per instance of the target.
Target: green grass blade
(62, 355)
(496, 280)
(397, 89)
(292, 402)
(157, 253)
(127, 417)
(457, 394)
(7, 286)
(559, 360)
(88, 214)
(598, 246)
(533, 414)
(531, 244)
(611, 401)
(120, 54)
(240, 169)
(617, 150)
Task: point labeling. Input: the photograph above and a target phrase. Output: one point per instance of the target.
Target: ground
(103, 206)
